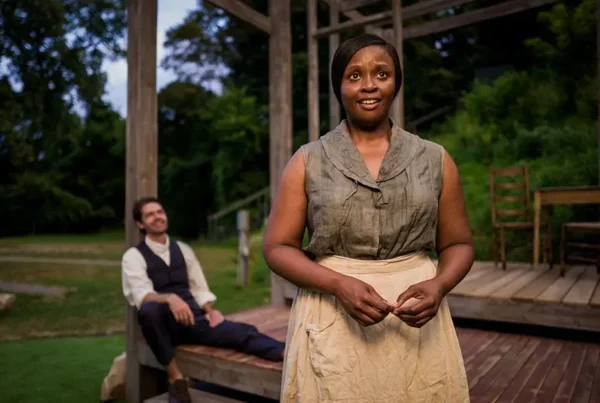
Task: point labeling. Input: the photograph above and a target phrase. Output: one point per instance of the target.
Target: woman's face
(368, 86)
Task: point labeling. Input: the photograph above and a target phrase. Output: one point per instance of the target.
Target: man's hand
(214, 317)
(181, 310)
(428, 297)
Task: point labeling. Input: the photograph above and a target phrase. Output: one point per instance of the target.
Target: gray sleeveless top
(350, 214)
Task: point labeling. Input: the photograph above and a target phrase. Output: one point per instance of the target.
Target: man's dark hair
(139, 205)
(348, 48)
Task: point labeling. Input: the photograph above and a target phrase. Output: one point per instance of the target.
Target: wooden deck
(501, 367)
(526, 296)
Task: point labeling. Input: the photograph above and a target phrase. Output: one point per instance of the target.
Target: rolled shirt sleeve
(197, 281)
(135, 280)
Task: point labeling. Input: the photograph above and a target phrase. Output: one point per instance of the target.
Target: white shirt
(137, 284)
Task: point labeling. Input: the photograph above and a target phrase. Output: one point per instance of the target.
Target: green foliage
(62, 149)
(213, 150)
(241, 163)
(530, 117)
(57, 171)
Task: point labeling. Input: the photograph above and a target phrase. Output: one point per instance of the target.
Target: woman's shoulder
(312, 150)
(426, 148)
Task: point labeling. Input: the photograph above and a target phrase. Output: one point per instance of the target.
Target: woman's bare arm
(285, 228)
(455, 247)
(455, 251)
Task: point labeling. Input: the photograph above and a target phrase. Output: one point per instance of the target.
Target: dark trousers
(163, 333)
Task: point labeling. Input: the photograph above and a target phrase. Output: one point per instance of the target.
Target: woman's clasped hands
(416, 306)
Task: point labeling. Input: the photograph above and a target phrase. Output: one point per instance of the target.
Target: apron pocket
(330, 348)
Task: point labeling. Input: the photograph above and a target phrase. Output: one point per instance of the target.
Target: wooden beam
(280, 107)
(352, 14)
(141, 160)
(358, 23)
(427, 7)
(334, 42)
(472, 17)
(398, 104)
(346, 5)
(313, 71)
(244, 13)
(409, 12)
(355, 15)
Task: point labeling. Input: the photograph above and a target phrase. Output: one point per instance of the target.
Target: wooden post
(334, 42)
(598, 67)
(243, 227)
(141, 162)
(280, 106)
(398, 105)
(313, 71)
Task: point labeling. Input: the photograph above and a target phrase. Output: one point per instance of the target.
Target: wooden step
(198, 396)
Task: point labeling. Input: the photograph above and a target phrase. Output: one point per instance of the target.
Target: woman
(370, 322)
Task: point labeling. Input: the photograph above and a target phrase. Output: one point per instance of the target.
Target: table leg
(537, 207)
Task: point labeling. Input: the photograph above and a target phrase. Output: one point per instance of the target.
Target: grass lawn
(96, 306)
(69, 369)
(56, 370)
(104, 245)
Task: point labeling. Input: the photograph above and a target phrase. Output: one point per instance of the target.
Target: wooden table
(558, 195)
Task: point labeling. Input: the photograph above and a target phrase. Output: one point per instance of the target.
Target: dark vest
(168, 279)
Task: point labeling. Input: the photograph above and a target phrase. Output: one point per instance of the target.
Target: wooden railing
(223, 223)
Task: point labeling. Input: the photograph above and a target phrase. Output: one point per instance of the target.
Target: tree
(53, 52)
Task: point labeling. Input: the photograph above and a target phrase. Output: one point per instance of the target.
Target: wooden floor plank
(595, 300)
(567, 383)
(467, 287)
(502, 368)
(508, 290)
(595, 392)
(488, 340)
(510, 369)
(583, 289)
(482, 270)
(508, 277)
(548, 389)
(472, 278)
(585, 381)
(466, 338)
(537, 286)
(479, 367)
(536, 377)
(480, 339)
(561, 286)
(523, 375)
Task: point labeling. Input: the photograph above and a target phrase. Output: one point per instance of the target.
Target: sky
(170, 13)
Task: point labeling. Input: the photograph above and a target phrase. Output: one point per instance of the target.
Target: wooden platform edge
(247, 378)
(265, 382)
(198, 396)
(524, 312)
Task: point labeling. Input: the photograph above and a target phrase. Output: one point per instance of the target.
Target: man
(164, 280)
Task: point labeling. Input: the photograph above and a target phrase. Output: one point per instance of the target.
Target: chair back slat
(509, 193)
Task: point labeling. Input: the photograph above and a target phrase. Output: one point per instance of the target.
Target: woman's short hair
(348, 48)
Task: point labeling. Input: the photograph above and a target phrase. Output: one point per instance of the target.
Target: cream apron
(332, 358)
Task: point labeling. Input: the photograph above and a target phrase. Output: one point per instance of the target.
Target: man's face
(154, 219)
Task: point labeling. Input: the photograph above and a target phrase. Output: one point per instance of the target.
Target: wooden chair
(511, 210)
(591, 251)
